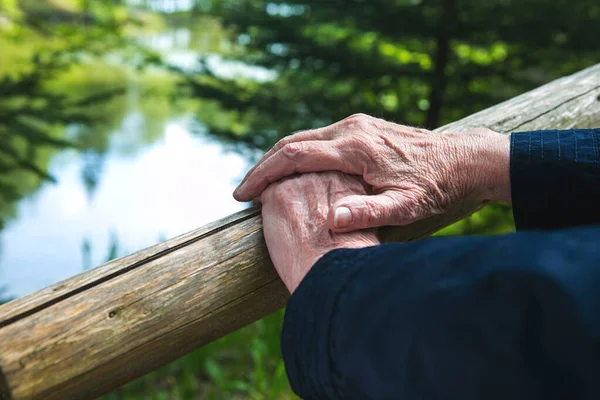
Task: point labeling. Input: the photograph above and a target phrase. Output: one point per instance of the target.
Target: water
(163, 6)
(175, 184)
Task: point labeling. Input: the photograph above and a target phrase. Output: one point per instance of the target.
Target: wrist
(489, 165)
(354, 240)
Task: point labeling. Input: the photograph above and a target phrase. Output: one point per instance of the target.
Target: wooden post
(87, 335)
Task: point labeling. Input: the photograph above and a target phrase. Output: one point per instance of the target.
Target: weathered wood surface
(89, 334)
(82, 337)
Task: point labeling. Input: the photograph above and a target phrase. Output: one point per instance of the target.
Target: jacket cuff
(555, 178)
(306, 338)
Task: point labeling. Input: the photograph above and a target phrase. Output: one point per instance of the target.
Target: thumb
(362, 212)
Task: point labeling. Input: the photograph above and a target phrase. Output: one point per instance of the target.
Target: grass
(246, 364)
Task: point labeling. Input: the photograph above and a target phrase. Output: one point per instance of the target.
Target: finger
(301, 157)
(361, 212)
(326, 133)
(315, 134)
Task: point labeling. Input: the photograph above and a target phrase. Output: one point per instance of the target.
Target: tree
(411, 61)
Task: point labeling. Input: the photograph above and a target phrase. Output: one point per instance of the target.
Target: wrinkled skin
(295, 217)
(413, 173)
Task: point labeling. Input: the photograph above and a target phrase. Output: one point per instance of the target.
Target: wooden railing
(87, 335)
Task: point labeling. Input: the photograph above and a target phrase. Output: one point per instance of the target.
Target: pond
(146, 190)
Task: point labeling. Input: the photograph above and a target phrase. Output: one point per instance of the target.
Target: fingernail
(342, 217)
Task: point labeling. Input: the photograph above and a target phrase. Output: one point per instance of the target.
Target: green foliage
(415, 62)
(246, 364)
(494, 219)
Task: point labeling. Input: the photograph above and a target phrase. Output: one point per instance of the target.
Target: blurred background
(126, 122)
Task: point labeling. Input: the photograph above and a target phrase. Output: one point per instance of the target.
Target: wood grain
(85, 336)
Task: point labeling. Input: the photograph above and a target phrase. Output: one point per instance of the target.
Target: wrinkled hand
(414, 173)
(295, 214)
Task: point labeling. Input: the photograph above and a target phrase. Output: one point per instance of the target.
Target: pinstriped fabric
(555, 178)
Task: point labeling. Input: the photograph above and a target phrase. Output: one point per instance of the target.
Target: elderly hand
(414, 173)
(295, 214)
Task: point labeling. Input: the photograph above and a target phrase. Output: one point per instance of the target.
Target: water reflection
(145, 169)
(176, 184)
(185, 46)
(176, 39)
(164, 6)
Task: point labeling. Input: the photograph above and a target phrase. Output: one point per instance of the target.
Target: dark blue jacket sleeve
(512, 317)
(555, 178)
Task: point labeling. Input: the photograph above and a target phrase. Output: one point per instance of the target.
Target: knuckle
(374, 213)
(359, 116)
(409, 208)
(299, 133)
(294, 136)
(293, 150)
(355, 119)
(281, 143)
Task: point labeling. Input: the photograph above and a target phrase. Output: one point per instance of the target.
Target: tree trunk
(446, 25)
